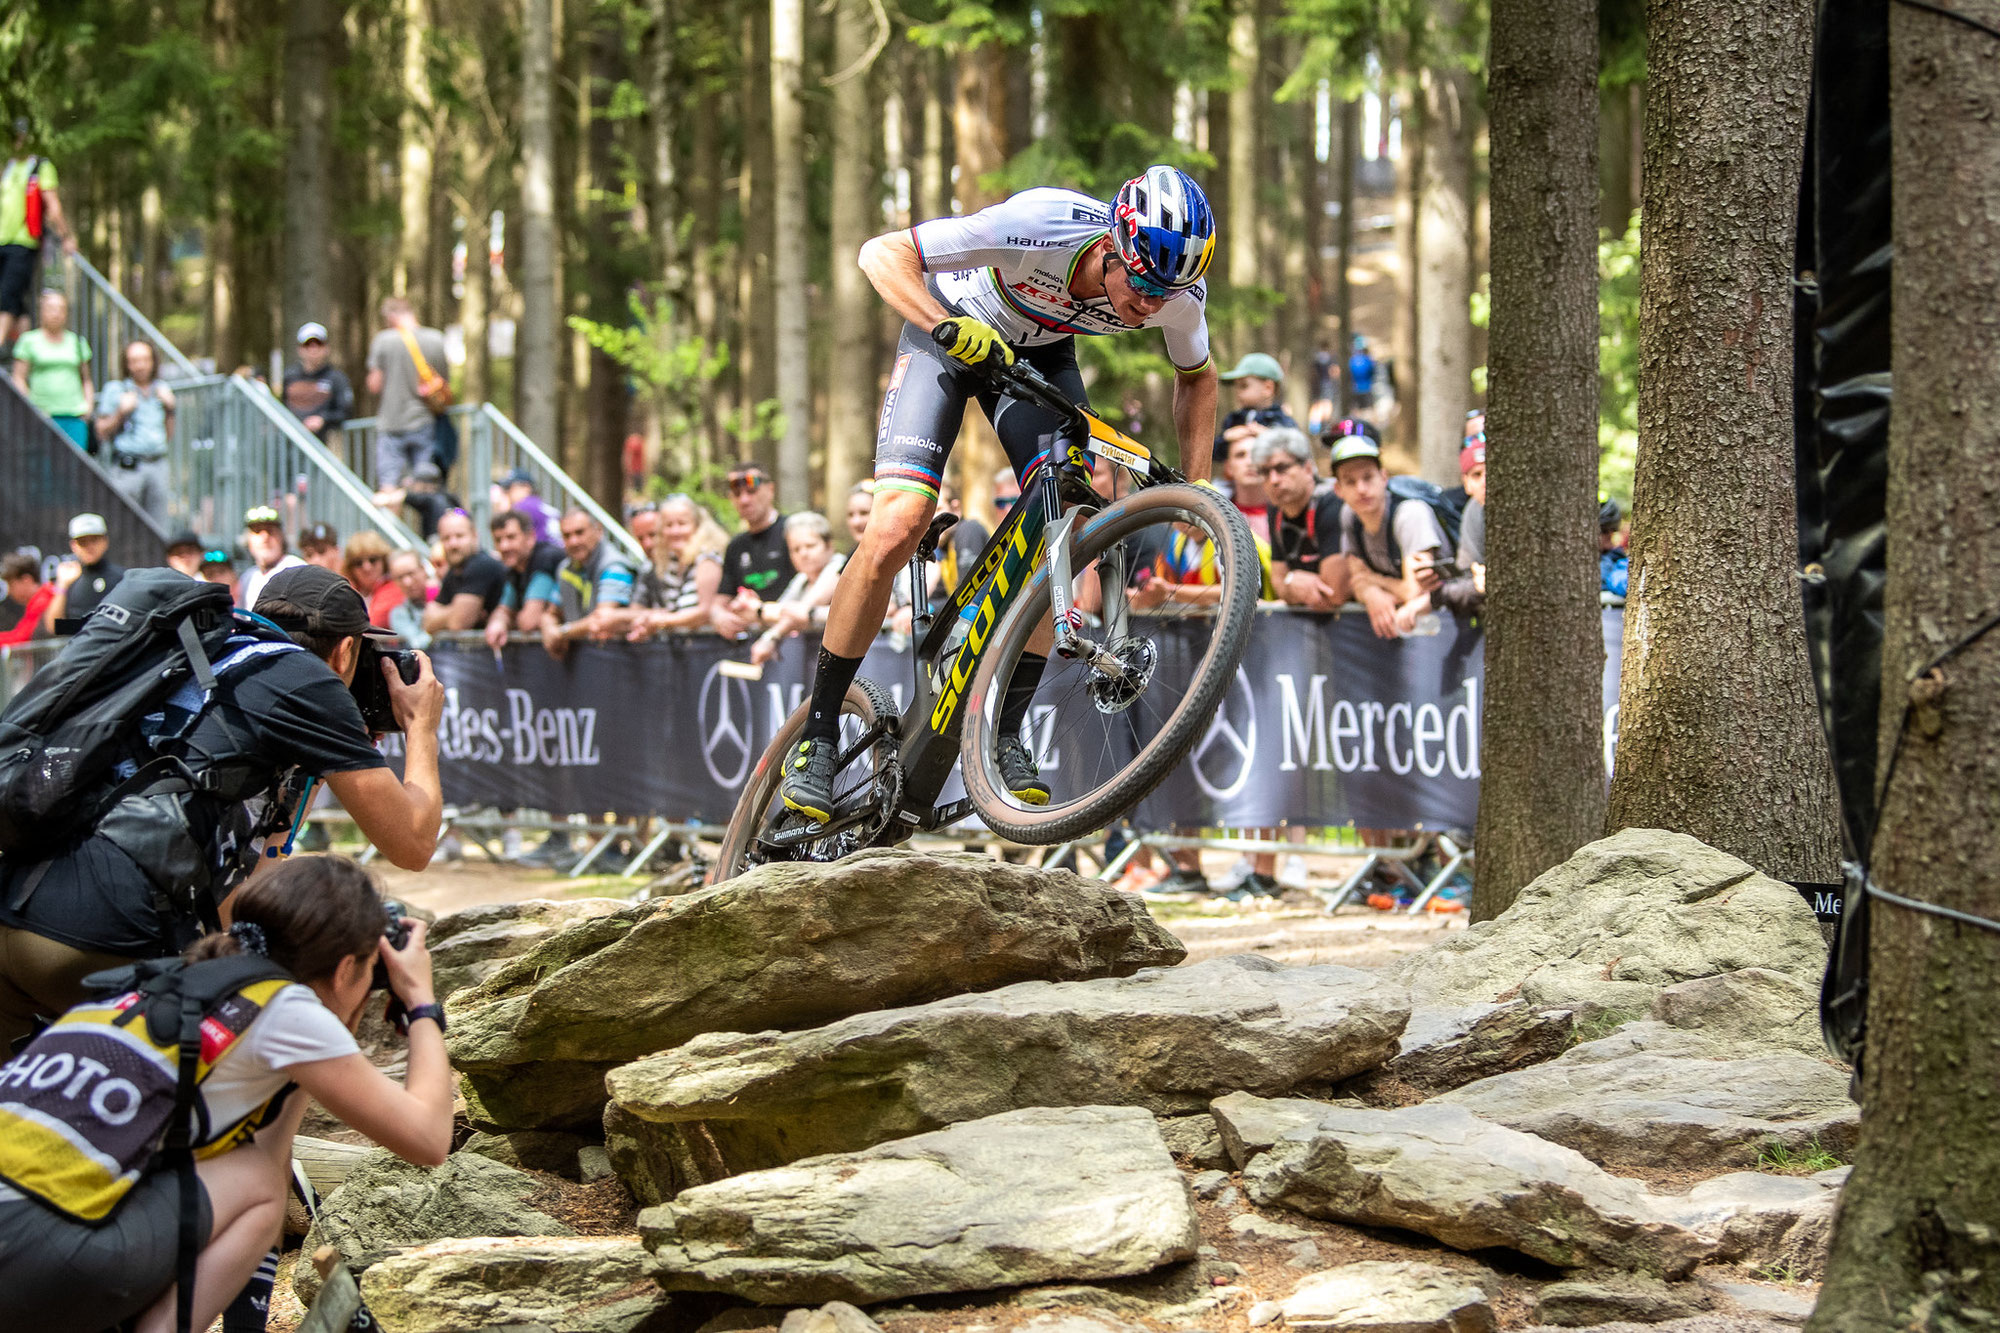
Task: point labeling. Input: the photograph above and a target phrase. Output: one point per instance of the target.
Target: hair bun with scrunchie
(249, 937)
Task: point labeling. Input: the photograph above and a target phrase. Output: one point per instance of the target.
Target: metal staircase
(235, 445)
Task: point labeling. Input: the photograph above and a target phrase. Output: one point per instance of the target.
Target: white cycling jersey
(1011, 265)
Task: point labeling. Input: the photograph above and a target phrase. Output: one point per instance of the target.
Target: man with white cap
(315, 390)
(264, 538)
(89, 540)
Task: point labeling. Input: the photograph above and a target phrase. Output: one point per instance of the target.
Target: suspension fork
(1069, 642)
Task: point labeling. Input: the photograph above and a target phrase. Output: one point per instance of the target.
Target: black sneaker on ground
(1019, 771)
(808, 786)
(554, 853)
(1182, 880)
(1261, 886)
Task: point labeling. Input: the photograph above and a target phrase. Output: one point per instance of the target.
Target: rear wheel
(762, 829)
(1106, 735)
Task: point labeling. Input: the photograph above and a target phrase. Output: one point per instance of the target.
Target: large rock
(1448, 1046)
(656, 1162)
(785, 946)
(1250, 1124)
(387, 1204)
(469, 946)
(1617, 923)
(581, 1285)
(1030, 1196)
(1764, 1221)
(1441, 1171)
(1168, 1039)
(1376, 1296)
(1754, 1009)
(1631, 1297)
(1650, 1096)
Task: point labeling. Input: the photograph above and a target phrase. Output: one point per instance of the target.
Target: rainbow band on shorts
(907, 477)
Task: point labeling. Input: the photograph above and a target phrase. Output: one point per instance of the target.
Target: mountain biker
(1032, 272)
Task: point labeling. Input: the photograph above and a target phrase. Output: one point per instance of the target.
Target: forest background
(670, 195)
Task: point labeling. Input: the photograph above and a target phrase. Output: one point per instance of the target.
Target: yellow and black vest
(87, 1108)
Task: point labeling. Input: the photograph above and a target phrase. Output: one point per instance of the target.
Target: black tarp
(1841, 389)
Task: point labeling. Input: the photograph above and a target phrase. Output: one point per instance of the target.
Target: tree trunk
(1311, 331)
(1718, 733)
(850, 379)
(705, 198)
(1541, 793)
(1914, 1246)
(159, 287)
(931, 194)
(308, 196)
(1409, 253)
(979, 125)
(1618, 175)
(415, 131)
(663, 213)
(1343, 248)
(1444, 266)
(788, 269)
(1240, 234)
(475, 311)
(225, 337)
(756, 321)
(535, 352)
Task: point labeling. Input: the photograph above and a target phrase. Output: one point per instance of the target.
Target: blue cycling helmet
(1164, 231)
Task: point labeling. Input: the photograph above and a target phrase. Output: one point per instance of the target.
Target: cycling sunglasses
(1145, 283)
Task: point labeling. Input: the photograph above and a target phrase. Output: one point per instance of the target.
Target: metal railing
(45, 481)
(234, 446)
(109, 322)
(489, 447)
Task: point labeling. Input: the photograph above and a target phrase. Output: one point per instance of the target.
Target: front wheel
(1106, 735)
(762, 829)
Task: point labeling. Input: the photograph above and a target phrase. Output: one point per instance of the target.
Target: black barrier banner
(1323, 724)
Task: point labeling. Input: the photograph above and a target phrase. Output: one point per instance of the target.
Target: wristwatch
(432, 1010)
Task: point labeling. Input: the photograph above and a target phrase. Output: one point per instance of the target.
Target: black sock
(830, 684)
(1021, 693)
(252, 1306)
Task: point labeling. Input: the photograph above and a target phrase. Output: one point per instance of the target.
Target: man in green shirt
(21, 234)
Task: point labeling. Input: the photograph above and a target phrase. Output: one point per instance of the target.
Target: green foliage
(1782, 1158)
(1618, 362)
(677, 372)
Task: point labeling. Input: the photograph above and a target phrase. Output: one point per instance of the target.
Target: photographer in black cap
(166, 857)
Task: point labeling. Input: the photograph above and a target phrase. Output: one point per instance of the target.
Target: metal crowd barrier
(489, 447)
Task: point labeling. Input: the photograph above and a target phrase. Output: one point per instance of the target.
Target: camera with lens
(397, 932)
(371, 691)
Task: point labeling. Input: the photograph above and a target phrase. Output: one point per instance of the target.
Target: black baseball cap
(185, 537)
(330, 603)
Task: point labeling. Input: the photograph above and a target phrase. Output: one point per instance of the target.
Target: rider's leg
(861, 598)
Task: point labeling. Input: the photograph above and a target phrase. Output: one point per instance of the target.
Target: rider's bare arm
(897, 272)
(1194, 419)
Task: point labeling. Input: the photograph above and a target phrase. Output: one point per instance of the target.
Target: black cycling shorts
(925, 405)
(17, 275)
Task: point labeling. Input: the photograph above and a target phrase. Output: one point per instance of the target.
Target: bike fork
(1068, 619)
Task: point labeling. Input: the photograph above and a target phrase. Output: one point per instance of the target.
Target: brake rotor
(1115, 694)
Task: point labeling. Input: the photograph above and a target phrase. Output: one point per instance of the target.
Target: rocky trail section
(918, 1094)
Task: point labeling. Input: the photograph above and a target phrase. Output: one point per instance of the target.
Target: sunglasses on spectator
(749, 481)
(1276, 466)
(1004, 501)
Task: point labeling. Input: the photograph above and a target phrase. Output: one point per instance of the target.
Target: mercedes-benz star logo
(724, 718)
(1233, 733)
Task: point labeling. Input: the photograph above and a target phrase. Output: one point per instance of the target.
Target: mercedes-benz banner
(1322, 724)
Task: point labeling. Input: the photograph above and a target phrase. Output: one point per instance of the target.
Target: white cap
(88, 525)
(310, 330)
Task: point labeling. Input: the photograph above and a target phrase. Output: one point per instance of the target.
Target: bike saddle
(941, 523)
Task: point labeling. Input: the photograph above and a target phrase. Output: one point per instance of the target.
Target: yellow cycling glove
(972, 340)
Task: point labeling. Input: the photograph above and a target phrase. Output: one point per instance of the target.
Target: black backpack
(70, 742)
(1449, 510)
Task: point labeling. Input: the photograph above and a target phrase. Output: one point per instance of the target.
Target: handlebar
(1023, 381)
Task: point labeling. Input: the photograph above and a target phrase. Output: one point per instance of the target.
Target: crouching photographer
(146, 1137)
(172, 746)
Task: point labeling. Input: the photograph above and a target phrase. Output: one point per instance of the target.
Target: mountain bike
(1138, 667)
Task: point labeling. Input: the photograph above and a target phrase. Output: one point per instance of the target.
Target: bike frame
(1039, 528)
